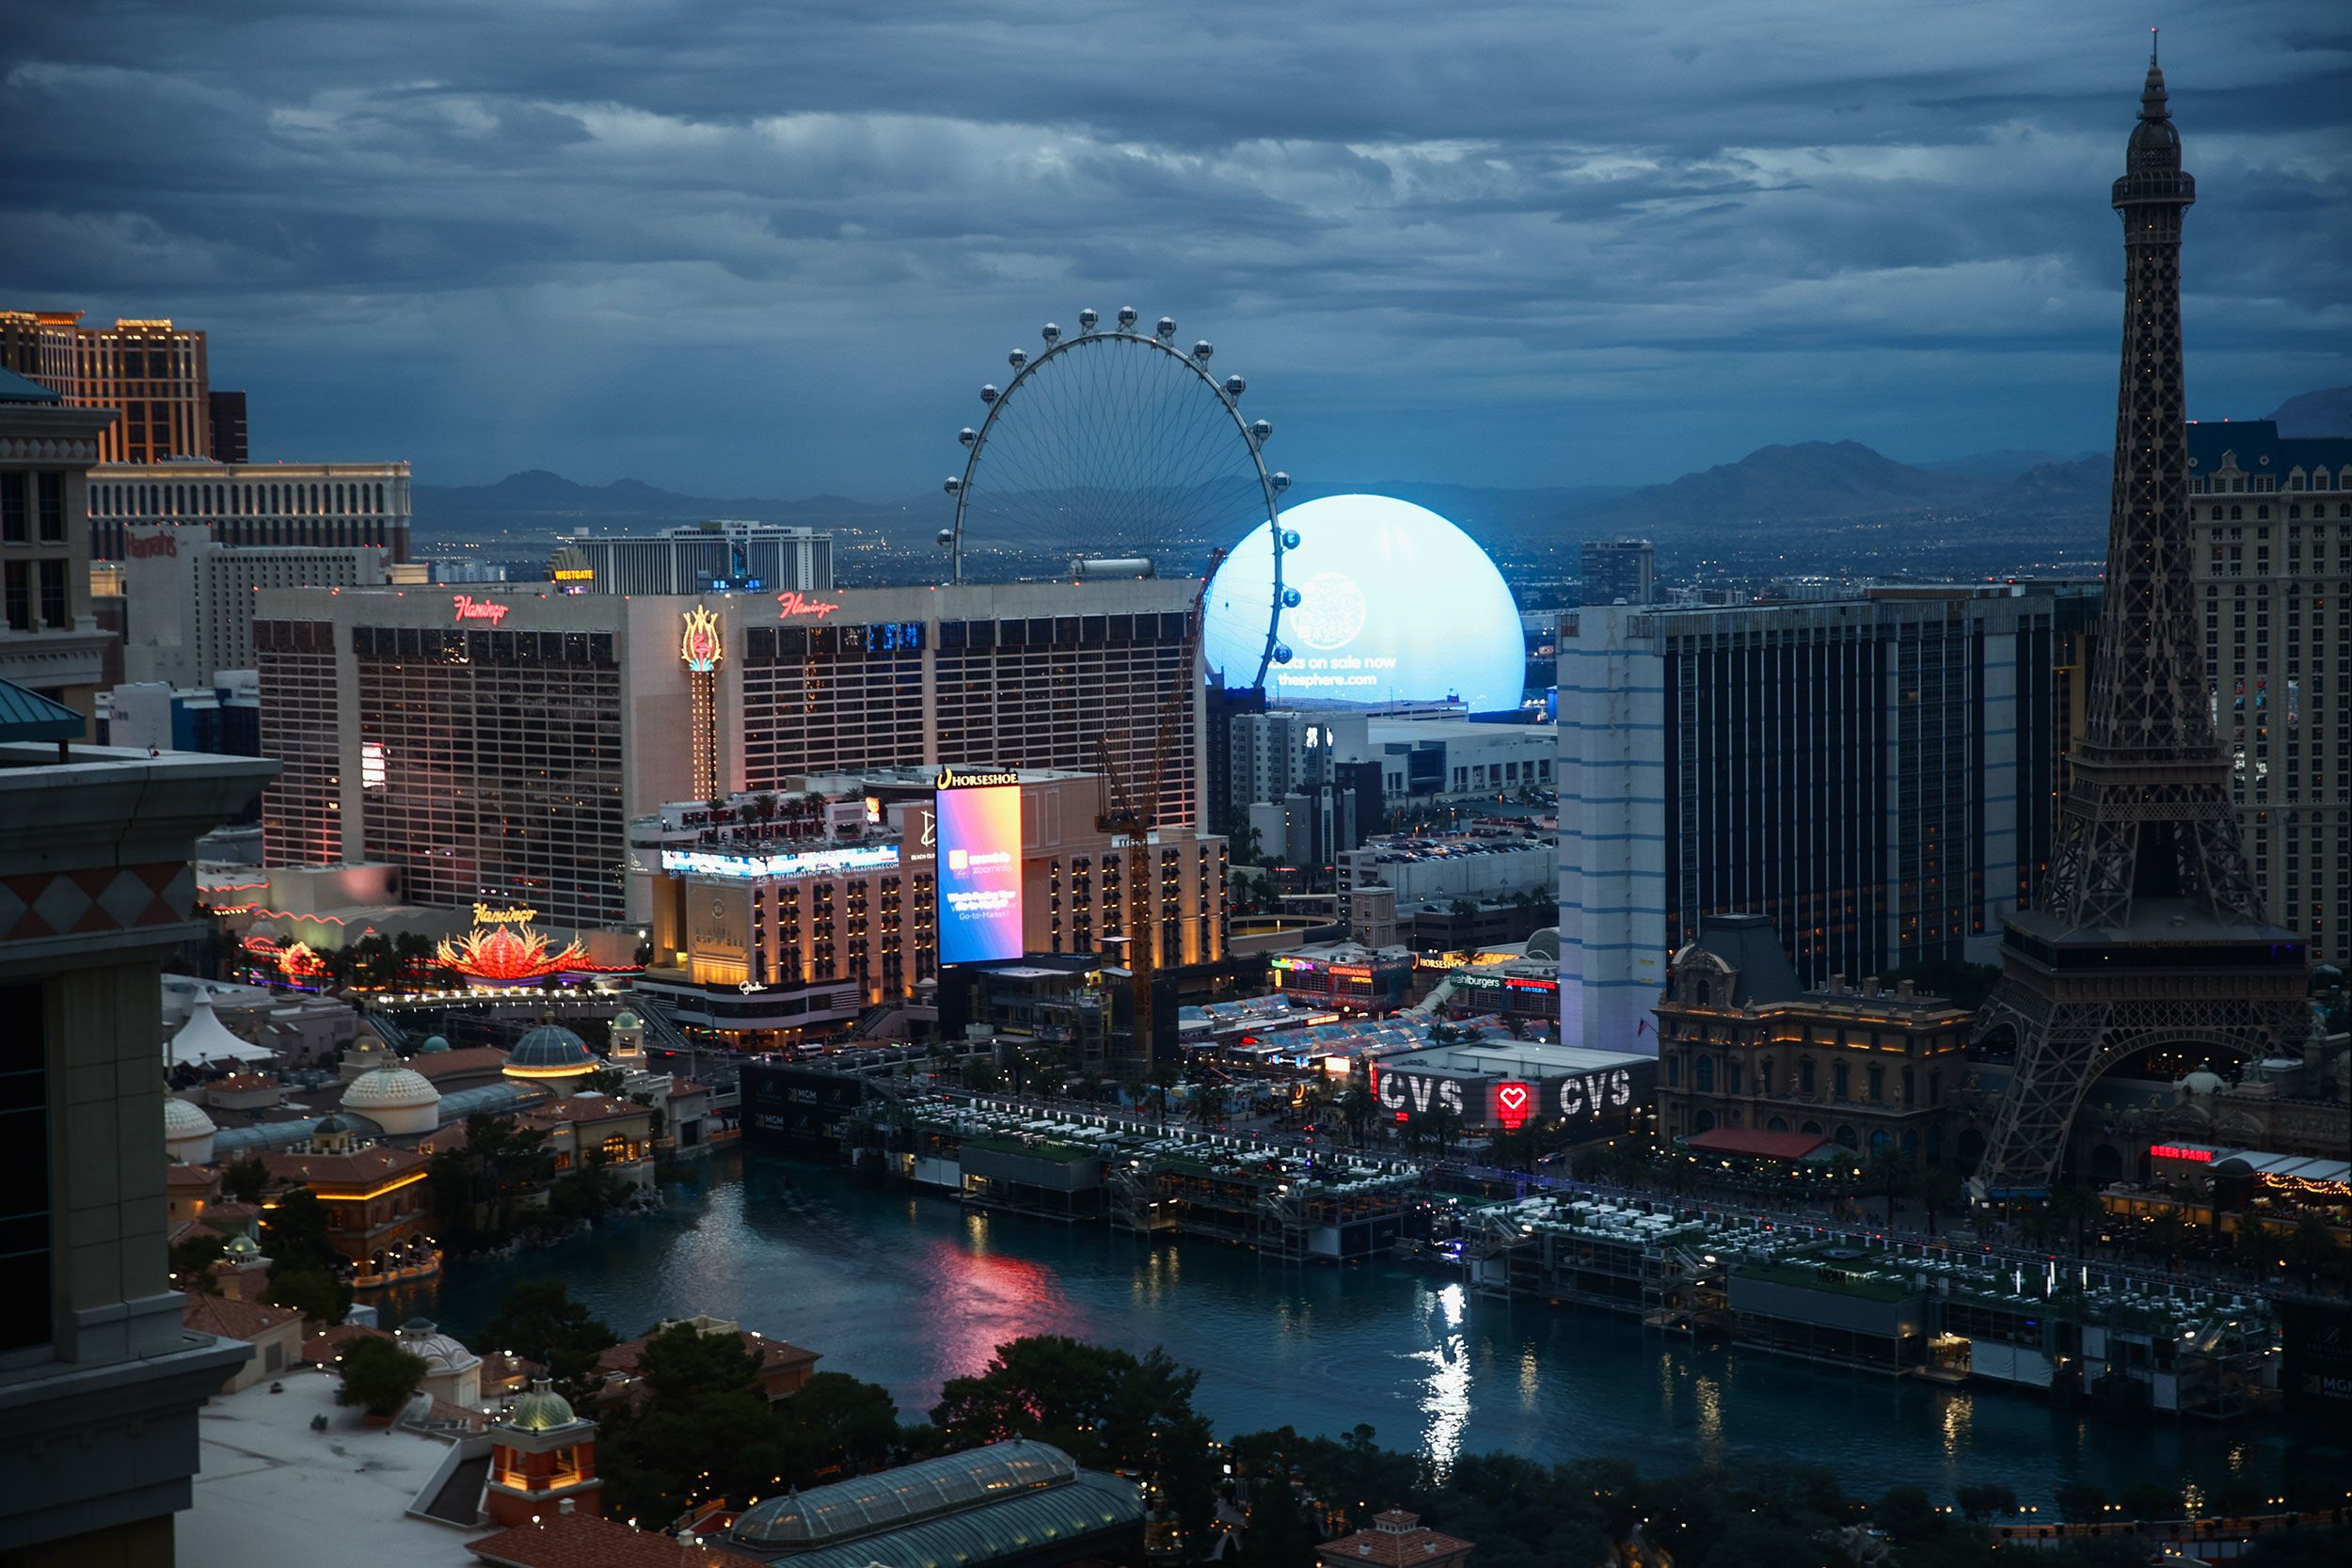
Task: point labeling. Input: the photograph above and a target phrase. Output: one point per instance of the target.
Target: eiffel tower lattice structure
(2152, 933)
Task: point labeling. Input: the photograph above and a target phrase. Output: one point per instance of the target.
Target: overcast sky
(735, 247)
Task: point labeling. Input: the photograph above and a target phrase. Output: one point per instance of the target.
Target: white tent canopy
(205, 1038)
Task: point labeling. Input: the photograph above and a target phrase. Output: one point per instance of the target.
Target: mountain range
(1821, 493)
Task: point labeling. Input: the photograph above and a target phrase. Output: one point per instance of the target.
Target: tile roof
(1393, 1547)
(586, 1108)
(1755, 1141)
(322, 1348)
(622, 1359)
(367, 1164)
(232, 1320)
(192, 1177)
(585, 1540)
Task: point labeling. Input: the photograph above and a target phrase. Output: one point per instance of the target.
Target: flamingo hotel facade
(496, 742)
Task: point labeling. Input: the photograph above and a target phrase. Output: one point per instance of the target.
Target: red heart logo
(1513, 1096)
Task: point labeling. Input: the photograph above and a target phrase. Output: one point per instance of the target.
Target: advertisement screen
(980, 874)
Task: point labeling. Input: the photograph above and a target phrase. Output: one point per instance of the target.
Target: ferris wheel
(1114, 451)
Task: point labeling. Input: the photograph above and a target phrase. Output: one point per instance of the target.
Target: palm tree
(2076, 1206)
(1444, 1124)
(1893, 1178)
(1164, 1077)
(1940, 1189)
(1208, 1105)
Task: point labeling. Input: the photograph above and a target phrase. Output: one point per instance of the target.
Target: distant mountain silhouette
(2004, 464)
(2327, 412)
(1812, 482)
(536, 501)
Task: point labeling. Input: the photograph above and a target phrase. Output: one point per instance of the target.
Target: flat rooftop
(271, 1489)
(1510, 1059)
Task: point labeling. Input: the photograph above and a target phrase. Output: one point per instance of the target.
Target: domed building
(364, 1054)
(451, 1372)
(187, 1133)
(1384, 601)
(399, 1100)
(628, 1039)
(543, 1460)
(434, 1045)
(551, 1057)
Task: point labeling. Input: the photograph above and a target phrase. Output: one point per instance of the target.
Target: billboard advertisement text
(980, 874)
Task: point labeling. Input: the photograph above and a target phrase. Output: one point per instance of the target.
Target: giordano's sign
(701, 647)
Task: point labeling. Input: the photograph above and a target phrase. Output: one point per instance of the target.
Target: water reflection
(1959, 1421)
(1445, 1402)
(907, 1291)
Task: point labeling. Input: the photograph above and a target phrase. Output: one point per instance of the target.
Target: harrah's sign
(794, 603)
(471, 608)
(155, 544)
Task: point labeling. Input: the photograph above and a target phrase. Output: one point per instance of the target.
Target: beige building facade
(50, 642)
(2270, 524)
(496, 741)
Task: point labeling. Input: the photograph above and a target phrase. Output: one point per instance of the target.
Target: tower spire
(2150, 930)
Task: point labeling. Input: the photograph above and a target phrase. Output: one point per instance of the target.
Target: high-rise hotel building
(151, 372)
(497, 742)
(320, 505)
(1873, 776)
(2270, 523)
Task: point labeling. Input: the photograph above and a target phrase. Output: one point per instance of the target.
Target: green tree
(607, 1081)
(318, 1295)
(2079, 1502)
(1208, 1105)
(192, 1261)
(1941, 1190)
(837, 1421)
(245, 1180)
(1163, 1076)
(381, 1376)
(539, 1319)
(295, 1234)
(2076, 1208)
(477, 1184)
(1107, 1408)
(1985, 1500)
(1892, 1178)
(703, 1429)
(1907, 1513)
(587, 1190)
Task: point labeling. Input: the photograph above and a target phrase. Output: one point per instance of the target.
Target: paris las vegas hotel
(497, 742)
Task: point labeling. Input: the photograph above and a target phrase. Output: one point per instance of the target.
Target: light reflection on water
(909, 1290)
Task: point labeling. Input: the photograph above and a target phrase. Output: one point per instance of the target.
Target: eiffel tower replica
(2152, 933)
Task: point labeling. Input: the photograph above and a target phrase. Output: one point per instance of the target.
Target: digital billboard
(980, 867)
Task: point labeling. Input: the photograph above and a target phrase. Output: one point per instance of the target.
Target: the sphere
(1051, 333)
(1087, 319)
(1235, 386)
(1395, 604)
(1017, 358)
(1261, 431)
(968, 436)
(1203, 349)
(1126, 317)
(988, 393)
(1167, 327)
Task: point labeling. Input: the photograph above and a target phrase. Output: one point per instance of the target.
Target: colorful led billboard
(980, 869)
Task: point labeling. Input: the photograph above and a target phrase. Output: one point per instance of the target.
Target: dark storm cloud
(736, 246)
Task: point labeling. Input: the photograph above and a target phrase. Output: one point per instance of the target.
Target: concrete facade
(99, 1380)
(50, 640)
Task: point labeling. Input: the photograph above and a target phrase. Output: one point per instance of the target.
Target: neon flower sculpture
(508, 954)
(298, 960)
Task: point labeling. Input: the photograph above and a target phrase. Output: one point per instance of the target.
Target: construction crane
(1131, 810)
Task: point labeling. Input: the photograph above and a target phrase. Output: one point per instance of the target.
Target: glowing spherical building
(1395, 604)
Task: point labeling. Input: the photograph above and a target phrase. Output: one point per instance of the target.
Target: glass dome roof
(893, 1497)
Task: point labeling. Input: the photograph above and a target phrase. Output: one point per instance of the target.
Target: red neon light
(471, 608)
(2175, 1151)
(1511, 1102)
(794, 603)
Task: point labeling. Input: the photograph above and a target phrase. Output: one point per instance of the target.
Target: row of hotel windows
(1841, 1079)
(2262, 513)
(2232, 484)
(242, 498)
